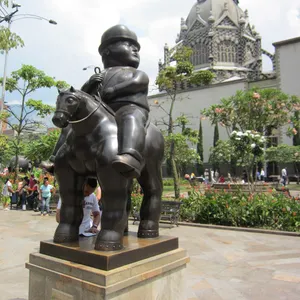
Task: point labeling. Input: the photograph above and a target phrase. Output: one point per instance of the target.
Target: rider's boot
(127, 165)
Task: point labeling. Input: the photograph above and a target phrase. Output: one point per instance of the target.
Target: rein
(85, 118)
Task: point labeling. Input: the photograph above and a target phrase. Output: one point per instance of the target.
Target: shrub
(136, 201)
(168, 182)
(272, 211)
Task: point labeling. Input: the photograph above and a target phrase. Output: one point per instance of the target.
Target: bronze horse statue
(88, 150)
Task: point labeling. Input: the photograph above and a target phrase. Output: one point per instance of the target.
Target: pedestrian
(206, 176)
(217, 175)
(212, 175)
(23, 187)
(7, 192)
(45, 195)
(31, 181)
(284, 176)
(262, 175)
(88, 227)
(257, 175)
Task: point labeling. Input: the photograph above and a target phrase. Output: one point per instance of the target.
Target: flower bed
(271, 211)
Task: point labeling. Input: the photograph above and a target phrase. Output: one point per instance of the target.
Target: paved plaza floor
(225, 265)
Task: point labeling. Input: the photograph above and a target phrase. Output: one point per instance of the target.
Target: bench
(244, 188)
(169, 211)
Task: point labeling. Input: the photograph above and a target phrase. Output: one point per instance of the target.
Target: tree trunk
(17, 153)
(200, 168)
(176, 179)
(172, 151)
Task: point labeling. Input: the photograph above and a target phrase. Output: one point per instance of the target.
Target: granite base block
(160, 277)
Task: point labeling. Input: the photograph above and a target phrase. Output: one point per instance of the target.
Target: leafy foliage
(245, 148)
(221, 153)
(283, 154)
(216, 135)
(25, 81)
(3, 148)
(42, 148)
(255, 110)
(271, 210)
(171, 79)
(184, 155)
(8, 39)
(200, 150)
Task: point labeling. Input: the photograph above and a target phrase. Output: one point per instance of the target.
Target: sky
(63, 50)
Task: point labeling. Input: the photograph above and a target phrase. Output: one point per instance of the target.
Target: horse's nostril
(59, 120)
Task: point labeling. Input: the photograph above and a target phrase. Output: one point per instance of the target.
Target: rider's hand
(96, 78)
(108, 93)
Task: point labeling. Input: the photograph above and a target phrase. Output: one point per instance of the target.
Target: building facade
(225, 43)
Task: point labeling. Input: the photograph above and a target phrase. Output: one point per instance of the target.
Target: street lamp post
(9, 18)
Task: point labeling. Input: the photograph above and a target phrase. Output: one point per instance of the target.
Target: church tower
(222, 39)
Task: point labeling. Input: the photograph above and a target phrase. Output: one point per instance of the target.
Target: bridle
(81, 120)
(85, 118)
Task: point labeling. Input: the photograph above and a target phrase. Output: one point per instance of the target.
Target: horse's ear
(59, 91)
(72, 90)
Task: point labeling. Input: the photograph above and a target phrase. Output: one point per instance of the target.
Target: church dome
(203, 9)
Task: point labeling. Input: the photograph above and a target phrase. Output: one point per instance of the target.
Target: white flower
(239, 133)
(248, 131)
(233, 132)
(237, 139)
(253, 146)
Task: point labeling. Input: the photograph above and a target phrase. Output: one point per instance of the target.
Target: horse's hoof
(148, 229)
(66, 233)
(127, 165)
(109, 240)
(146, 234)
(106, 246)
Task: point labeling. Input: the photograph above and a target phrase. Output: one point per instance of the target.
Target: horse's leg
(114, 216)
(71, 193)
(128, 205)
(151, 183)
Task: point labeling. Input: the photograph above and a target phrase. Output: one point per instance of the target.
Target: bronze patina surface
(134, 250)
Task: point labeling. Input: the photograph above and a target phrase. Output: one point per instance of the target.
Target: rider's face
(126, 53)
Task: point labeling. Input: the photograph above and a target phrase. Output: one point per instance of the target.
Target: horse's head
(67, 105)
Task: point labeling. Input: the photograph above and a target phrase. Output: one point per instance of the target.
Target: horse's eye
(70, 100)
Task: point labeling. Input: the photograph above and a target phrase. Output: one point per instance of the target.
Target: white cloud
(13, 102)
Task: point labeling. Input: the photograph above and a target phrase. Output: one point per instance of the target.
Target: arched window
(227, 52)
(200, 54)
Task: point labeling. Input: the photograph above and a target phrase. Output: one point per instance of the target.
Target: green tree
(256, 110)
(215, 141)
(172, 79)
(25, 81)
(41, 148)
(3, 149)
(216, 135)
(221, 153)
(8, 39)
(200, 149)
(184, 155)
(246, 148)
(285, 154)
(296, 137)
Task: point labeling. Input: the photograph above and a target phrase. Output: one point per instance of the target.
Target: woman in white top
(7, 193)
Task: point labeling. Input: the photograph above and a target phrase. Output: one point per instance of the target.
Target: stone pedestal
(124, 274)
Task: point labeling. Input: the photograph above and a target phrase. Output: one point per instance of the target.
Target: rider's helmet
(115, 34)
